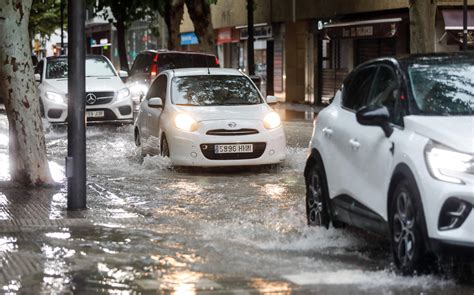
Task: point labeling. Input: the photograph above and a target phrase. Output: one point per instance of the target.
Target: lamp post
(250, 52)
(464, 32)
(76, 132)
(61, 7)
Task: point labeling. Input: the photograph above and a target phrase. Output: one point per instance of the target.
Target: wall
(295, 60)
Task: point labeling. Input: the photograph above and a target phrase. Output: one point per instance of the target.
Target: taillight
(217, 61)
(154, 66)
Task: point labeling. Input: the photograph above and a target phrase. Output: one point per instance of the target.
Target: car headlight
(272, 120)
(185, 122)
(56, 97)
(447, 164)
(123, 93)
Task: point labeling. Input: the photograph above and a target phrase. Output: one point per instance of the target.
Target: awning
(453, 20)
(375, 28)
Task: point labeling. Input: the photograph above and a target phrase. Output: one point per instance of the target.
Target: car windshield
(443, 89)
(211, 90)
(95, 67)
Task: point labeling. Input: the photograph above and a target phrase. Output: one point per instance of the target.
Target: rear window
(142, 63)
(168, 61)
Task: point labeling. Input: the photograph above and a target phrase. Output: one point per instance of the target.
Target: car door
(339, 129)
(372, 151)
(150, 116)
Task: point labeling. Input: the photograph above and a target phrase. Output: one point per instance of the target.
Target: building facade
(308, 47)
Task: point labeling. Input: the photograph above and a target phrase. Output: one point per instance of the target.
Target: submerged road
(152, 228)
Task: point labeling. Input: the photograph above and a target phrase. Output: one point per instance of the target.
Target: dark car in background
(148, 64)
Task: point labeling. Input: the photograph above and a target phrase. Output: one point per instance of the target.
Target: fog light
(453, 214)
(194, 155)
(204, 146)
(272, 152)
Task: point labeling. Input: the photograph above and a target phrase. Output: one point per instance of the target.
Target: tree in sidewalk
(200, 13)
(27, 149)
(124, 13)
(422, 26)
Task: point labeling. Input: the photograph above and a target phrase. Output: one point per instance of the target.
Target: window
(39, 69)
(158, 89)
(214, 90)
(356, 92)
(142, 63)
(57, 68)
(385, 92)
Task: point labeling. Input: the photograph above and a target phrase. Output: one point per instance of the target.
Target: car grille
(227, 132)
(101, 97)
(208, 152)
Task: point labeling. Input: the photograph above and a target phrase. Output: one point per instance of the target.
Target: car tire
(165, 149)
(317, 213)
(406, 221)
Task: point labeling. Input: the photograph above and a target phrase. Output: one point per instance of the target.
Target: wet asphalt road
(152, 228)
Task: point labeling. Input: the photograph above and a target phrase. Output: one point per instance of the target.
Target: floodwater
(150, 228)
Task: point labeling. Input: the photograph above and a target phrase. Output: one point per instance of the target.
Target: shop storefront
(344, 45)
(228, 47)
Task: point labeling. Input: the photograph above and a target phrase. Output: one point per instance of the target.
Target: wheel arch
(311, 161)
(401, 172)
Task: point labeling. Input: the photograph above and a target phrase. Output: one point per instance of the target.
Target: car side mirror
(123, 74)
(375, 116)
(37, 77)
(272, 99)
(155, 102)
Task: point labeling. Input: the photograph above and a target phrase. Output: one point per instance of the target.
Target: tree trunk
(200, 13)
(173, 15)
(422, 26)
(122, 49)
(27, 149)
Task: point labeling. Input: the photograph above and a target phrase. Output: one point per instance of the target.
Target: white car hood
(456, 132)
(93, 84)
(207, 113)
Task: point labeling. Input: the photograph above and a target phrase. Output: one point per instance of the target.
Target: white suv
(394, 154)
(107, 97)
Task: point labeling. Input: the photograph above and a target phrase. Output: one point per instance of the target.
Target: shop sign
(227, 35)
(189, 39)
(263, 32)
(382, 30)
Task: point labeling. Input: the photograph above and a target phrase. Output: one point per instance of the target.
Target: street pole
(464, 37)
(250, 53)
(76, 145)
(62, 26)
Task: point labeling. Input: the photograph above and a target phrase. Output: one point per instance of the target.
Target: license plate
(233, 148)
(94, 114)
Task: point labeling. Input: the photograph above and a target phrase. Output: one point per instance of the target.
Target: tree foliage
(45, 17)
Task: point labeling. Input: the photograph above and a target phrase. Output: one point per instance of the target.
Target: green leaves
(45, 17)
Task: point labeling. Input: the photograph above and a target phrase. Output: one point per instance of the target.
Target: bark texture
(174, 10)
(422, 26)
(122, 50)
(200, 13)
(27, 149)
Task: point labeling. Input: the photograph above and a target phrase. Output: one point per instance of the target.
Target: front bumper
(116, 111)
(435, 194)
(186, 148)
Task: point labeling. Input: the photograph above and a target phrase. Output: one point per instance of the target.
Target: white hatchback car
(209, 117)
(394, 154)
(107, 97)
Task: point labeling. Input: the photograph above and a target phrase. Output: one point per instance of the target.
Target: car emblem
(91, 98)
(232, 124)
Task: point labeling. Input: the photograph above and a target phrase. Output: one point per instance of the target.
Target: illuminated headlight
(447, 164)
(185, 122)
(272, 121)
(123, 93)
(56, 97)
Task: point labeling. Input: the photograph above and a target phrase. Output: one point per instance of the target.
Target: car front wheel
(165, 150)
(316, 196)
(406, 220)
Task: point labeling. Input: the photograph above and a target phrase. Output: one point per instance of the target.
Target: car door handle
(327, 131)
(355, 144)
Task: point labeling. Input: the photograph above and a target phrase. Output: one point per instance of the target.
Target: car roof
(165, 51)
(409, 59)
(65, 56)
(203, 71)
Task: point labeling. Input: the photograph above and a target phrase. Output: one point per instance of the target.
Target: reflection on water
(265, 287)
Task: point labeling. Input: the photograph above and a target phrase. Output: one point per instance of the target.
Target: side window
(357, 90)
(39, 69)
(158, 89)
(384, 91)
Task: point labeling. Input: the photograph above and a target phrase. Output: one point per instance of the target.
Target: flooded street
(152, 228)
